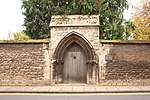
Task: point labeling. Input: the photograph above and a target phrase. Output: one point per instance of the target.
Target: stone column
(47, 64)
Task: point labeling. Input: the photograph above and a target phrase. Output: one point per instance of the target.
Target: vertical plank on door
(74, 64)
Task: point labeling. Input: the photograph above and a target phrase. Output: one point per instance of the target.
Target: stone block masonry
(30, 63)
(87, 26)
(106, 62)
(22, 63)
(81, 29)
(130, 64)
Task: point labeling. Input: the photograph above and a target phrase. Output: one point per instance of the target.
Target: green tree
(113, 25)
(37, 18)
(38, 12)
(141, 18)
(20, 36)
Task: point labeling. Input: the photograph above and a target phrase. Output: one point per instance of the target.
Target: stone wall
(22, 63)
(130, 64)
(83, 26)
(108, 63)
(90, 33)
(86, 26)
(29, 63)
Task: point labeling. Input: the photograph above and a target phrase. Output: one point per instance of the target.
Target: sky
(11, 18)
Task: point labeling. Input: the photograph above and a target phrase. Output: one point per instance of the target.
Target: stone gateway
(75, 54)
(73, 44)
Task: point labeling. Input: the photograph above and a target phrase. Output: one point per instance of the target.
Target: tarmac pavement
(73, 88)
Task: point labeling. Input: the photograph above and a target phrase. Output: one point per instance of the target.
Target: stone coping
(24, 42)
(125, 41)
(101, 41)
(74, 20)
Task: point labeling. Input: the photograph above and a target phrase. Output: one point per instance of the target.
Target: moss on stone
(125, 41)
(26, 41)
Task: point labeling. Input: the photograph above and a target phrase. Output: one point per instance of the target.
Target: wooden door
(74, 70)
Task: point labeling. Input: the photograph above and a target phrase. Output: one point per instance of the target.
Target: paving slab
(27, 88)
(89, 88)
(100, 89)
(56, 89)
(135, 88)
(145, 88)
(78, 89)
(112, 88)
(123, 88)
(69, 88)
(15, 88)
(73, 84)
(43, 88)
(2, 88)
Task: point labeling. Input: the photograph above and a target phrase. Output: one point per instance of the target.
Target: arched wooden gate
(74, 55)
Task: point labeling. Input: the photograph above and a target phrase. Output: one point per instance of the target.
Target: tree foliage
(141, 18)
(113, 24)
(38, 12)
(20, 36)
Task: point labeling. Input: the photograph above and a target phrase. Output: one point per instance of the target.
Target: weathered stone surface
(86, 27)
(130, 64)
(21, 64)
(75, 20)
(27, 63)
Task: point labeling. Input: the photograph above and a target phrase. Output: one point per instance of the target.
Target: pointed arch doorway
(74, 60)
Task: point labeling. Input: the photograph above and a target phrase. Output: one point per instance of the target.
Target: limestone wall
(112, 63)
(86, 26)
(130, 64)
(22, 63)
(29, 64)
